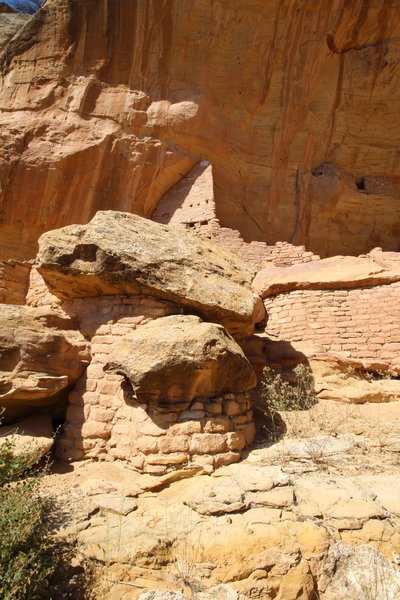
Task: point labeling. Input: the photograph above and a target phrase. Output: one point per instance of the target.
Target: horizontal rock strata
(338, 272)
(39, 357)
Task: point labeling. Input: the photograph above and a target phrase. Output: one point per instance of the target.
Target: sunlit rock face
(121, 253)
(173, 360)
(108, 105)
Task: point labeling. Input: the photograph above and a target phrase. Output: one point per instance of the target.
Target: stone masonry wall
(363, 322)
(105, 422)
(257, 254)
(14, 281)
(190, 203)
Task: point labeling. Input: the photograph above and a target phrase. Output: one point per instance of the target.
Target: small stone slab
(120, 505)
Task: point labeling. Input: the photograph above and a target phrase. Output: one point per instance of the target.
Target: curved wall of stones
(106, 422)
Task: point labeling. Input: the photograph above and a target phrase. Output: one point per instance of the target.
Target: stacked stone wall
(14, 281)
(364, 322)
(190, 204)
(105, 421)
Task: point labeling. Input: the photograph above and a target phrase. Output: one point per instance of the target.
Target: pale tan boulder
(358, 573)
(337, 272)
(116, 503)
(36, 360)
(31, 438)
(121, 253)
(336, 377)
(235, 488)
(175, 359)
(337, 500)
(297, 584)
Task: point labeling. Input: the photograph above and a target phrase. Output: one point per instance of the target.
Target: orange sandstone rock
(107, 105)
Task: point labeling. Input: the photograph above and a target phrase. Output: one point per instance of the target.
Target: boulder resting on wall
(173, 360)
(121, 253)
(36, 361)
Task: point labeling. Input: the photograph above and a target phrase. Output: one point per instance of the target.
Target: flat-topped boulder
(121, 253)
(337, 272)
(173, 360)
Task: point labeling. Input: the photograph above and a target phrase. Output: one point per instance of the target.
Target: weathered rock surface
(31, 438)
(120, 253)
(217, 592)
(123, 115)
(359, 574)
(335, 375)
(237, 488)
(314, 448)
(36, 360)
(162, 595)
(343, 214)
(255, 526)
(338, 272)
(175, 359)
(338, 378)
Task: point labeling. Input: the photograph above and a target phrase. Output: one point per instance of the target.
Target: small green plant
(280, 395)
(24, 549)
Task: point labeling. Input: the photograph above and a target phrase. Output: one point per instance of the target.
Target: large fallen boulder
(121, 253)
(173, 360)
(36, 361)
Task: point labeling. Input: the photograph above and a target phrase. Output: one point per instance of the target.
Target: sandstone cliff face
(107, 105)
(40, 355)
